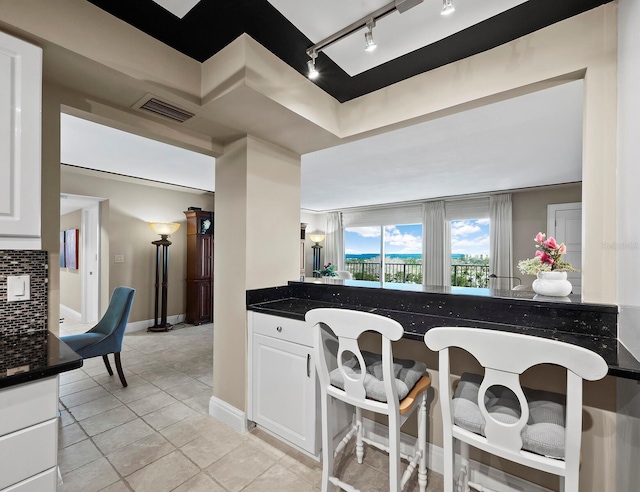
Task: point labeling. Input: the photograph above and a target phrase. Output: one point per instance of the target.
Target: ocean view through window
(470, 253)
(393, 253)
(395, 250)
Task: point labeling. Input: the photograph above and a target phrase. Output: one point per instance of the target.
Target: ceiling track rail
(399, 5)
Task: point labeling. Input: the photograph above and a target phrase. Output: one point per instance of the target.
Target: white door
(564, 222)
(91, 263)
(284, 390)
(20, 131)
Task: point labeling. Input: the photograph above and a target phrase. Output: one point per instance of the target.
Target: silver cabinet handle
(308, 365)
(279, 329)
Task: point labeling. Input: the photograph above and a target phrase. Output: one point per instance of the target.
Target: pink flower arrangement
(548, 257)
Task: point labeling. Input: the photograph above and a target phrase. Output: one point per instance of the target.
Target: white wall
(627, 241)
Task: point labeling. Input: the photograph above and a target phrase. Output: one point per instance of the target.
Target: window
(395, 250)
(470, 252)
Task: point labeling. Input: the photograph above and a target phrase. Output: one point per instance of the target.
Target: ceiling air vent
(167, 110)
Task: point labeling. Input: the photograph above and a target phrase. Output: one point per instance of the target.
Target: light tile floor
(156, 434)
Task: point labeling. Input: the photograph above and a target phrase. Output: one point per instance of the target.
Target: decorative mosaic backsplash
(24, 316)
(23, 353)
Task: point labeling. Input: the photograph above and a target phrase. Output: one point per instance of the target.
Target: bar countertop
(418, 308)
(32, 356)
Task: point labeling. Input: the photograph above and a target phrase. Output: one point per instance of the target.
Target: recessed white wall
(627, 242)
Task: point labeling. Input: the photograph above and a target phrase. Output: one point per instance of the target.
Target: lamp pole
(316, 259)
(164, 243)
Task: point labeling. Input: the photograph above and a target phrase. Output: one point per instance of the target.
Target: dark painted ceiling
(213, 24)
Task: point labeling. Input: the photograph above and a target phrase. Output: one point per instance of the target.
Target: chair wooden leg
(119, 369)
(107, 365)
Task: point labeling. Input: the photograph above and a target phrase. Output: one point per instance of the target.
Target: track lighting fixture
(369, 43)
(447, 7)
(311, 65)
(368, 22)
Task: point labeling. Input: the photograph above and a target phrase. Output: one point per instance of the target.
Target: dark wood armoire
(199, 267)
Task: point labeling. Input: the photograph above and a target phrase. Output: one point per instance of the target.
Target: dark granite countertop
(418, 308)
(32, 356)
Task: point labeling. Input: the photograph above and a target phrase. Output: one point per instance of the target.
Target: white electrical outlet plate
(18, 288)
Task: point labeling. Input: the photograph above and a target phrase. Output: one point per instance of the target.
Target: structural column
(257, 231)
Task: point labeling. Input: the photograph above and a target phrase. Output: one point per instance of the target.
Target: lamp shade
(164, 228)
(316, 237)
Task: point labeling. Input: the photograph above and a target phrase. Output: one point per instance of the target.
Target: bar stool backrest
(348, 325)
(505, 356)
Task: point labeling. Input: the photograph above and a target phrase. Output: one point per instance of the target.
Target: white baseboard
(67, 312)
(144, 324)
(489, 477)
(228, 414)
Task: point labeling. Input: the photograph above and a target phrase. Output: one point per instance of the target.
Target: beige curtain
(501, 253)
(436, 245)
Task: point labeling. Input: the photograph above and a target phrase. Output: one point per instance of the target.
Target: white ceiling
(94, 146)
(179, 8)
(527, 141)
(396, 35)
(531, 140)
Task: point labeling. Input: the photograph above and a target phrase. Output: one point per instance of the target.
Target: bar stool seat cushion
(544, 432)
(406, 373)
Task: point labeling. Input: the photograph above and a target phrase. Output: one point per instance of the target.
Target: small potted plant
(549, 267)
(329, 270)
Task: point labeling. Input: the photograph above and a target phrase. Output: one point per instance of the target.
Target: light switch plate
(118, 259)
(18, 288)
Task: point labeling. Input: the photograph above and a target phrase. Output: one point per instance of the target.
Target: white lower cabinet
(283, 387)
(29, 436)
(43, 481)
(284, 390)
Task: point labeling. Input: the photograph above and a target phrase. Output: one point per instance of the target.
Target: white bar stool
(495, 414)
(388, 386)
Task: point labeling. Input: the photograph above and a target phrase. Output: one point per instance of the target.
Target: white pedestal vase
(552, 284)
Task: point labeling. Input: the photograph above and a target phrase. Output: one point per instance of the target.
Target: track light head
(447, 7)
(311, 66)
(369, 43)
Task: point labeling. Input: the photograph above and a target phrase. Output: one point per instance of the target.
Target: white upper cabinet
(20, 137)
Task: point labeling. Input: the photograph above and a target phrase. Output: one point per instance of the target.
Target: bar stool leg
(359, 434)
(327, 442)
(394, 453)
(449, 460)
(422, 443)
(463, 481)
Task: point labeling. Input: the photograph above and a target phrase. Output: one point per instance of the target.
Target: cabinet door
(204, 301)
(284, 390)
(20, 130)
(205, 260)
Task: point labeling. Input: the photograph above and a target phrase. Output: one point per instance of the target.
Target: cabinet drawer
(44, 482)
(28, 452)
(28, 404)
(290, 330)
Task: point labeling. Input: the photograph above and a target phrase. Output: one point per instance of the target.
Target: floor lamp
(316, 237)
(162, 261)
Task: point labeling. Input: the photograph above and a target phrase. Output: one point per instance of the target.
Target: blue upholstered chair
(106, 337)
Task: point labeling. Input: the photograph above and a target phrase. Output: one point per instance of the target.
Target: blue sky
(467, 236)
(470, 236)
